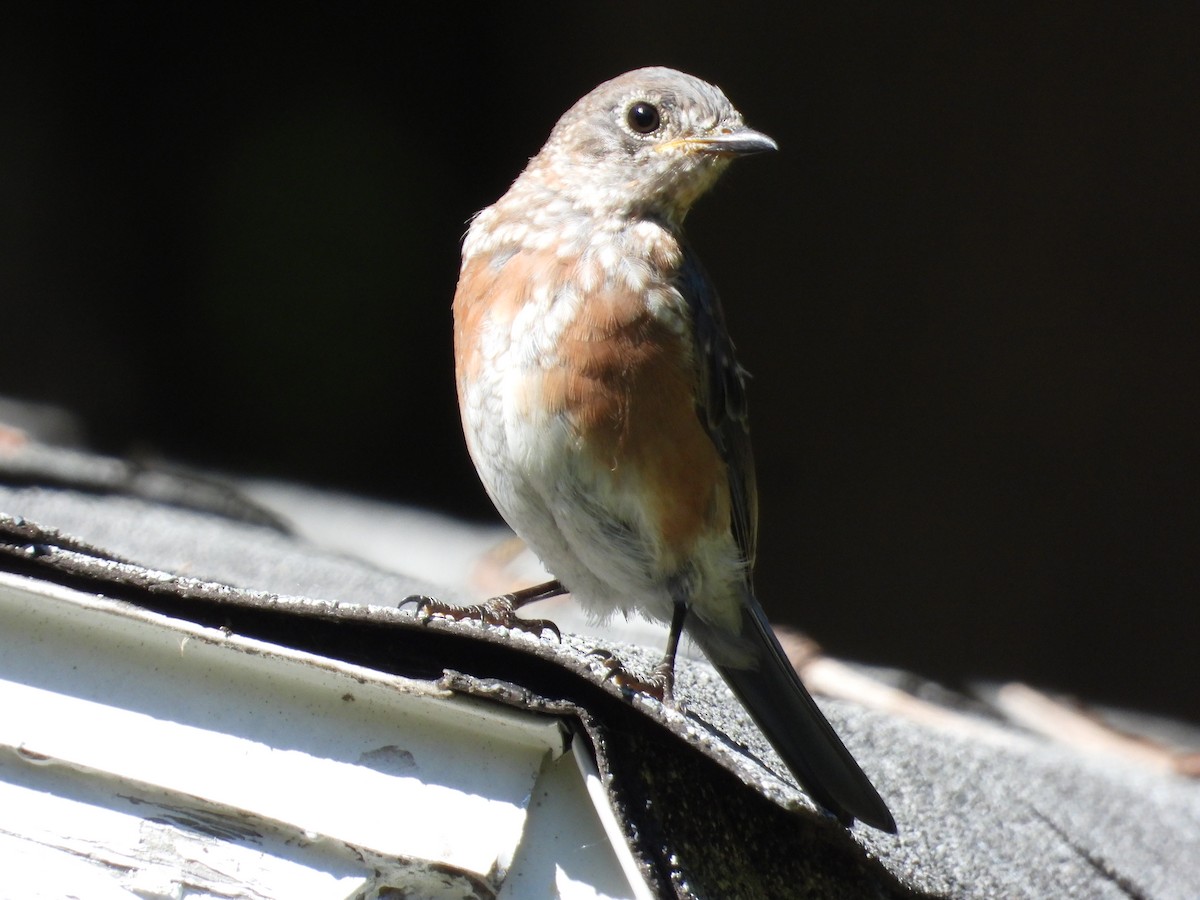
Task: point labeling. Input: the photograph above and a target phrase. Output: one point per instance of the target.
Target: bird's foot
(659, 684)
(500, 611)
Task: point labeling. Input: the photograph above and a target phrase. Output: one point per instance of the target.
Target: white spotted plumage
(603, 406)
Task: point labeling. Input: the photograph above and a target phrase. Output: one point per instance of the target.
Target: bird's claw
(420, 603)
(659, 685)
(498, 611)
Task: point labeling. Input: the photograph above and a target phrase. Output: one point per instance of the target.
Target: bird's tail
(773, 694)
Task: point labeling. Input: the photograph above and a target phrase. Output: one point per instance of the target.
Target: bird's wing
(721, 401)
(769, 687)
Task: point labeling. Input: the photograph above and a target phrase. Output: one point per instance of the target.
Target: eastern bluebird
(604, 408)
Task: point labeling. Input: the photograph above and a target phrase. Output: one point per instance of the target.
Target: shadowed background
(966, 287)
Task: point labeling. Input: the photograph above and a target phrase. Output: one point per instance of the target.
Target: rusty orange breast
(626, 382)
(622, 378)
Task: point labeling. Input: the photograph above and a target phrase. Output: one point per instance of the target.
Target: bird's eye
(643, 118)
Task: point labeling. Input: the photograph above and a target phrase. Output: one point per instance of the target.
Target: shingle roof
(702, 804)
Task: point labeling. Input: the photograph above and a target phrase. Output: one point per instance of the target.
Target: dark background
(967, 286)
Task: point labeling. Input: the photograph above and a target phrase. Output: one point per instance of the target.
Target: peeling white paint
(144, 756)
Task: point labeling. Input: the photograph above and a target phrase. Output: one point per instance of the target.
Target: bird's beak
(741, 142)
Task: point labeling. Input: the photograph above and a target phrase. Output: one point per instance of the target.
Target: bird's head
(649, 142)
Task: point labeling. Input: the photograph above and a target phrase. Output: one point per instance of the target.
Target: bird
(604, 407)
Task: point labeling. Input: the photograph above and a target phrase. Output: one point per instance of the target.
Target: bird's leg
(501, 610)
(661, 683)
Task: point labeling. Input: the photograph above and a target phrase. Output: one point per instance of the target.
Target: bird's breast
(587, 364)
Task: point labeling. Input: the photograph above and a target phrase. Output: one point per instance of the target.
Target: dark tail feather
(778, 702)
